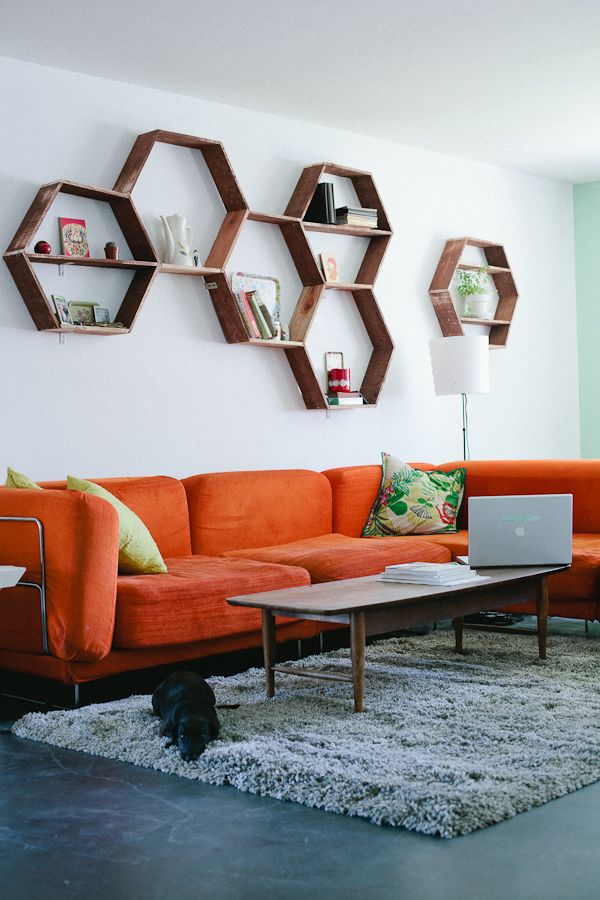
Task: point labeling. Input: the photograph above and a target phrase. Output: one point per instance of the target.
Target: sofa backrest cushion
(580, 477)
(237, 510)
(161, 504)
(354, 489)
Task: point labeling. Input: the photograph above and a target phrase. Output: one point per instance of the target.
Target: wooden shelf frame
(21, 262)
(222, 174)
(451, 322)
(145, 264)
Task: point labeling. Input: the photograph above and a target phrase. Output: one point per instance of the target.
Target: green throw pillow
(415, 502)
(138, 553)
(15, 479)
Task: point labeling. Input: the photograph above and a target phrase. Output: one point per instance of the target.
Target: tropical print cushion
(415, 502)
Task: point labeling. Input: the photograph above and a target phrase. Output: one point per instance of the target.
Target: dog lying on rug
(186, 704)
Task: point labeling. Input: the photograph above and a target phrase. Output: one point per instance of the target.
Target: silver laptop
(522, 530)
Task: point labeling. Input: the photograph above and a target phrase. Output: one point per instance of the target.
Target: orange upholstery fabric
(332, 557)
(235, 510)
(354, 489)
(75, 672)
(189, 603)
(81, 548)
(159, 501)
(580, 477)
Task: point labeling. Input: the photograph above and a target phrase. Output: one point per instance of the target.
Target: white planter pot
(479, 306)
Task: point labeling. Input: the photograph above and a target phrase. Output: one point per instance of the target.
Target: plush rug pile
(448, 744)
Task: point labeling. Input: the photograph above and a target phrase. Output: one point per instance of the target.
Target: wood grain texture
(225, 240)
(303, 372)
(226, 309)
(31, 291)
(135, 296)
(305, 311)
(34, 216)
(301, 252)
(304, 190)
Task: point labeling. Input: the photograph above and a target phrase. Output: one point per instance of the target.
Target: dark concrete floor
(75, 826)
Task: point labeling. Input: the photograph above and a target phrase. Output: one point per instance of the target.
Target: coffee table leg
(357, 644)
(458, 634)
(542, 616)
(268, 636)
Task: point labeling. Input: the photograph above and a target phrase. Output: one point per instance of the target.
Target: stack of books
(359, 216)
(345, 398)
(430, 573)
(255, 315)
(322, 206)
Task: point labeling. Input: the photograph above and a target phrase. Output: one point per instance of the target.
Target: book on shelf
(344, 400)
(430, 573)
(266, 314)
(357, 221)
(322, 206)
(247, 314)
(356, 211)
(265, 332)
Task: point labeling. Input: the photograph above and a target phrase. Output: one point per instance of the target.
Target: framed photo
(73, 235)
(101, 315)
(62, 309)
(82, 312)
(330, 267)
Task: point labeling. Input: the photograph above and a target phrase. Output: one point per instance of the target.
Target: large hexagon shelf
(451, 323)
(21, 262)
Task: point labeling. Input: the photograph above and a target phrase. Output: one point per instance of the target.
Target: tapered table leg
(357, 645)
(268, 637)
(458, 634)
(541, 604)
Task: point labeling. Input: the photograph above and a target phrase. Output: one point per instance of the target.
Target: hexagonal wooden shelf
(499, 271)
(217, 162)
(21, 262)
(361, 290)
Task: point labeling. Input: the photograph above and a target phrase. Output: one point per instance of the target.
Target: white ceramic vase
(178, 241)
(479, 306)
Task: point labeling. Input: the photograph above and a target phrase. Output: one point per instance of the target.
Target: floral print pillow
(415, 502)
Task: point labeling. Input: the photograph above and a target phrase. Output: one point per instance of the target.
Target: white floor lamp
(461, 365)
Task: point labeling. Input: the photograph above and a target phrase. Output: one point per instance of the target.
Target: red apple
(42, 247)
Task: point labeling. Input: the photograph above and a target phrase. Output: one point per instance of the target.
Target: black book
(317, 210)
(331, 215)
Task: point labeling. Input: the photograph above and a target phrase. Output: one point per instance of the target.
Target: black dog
(186, 704)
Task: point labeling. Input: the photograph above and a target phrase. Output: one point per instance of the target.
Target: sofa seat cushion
(332, 557)
(189, 602)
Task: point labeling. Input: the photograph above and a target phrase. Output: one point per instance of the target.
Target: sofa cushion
(353, 491)
(414, 502)
(332, 557)
(235, 510)
(189, 603)
(159, 501)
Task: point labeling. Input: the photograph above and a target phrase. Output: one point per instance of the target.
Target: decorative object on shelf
(73, 235)
(461, 365)
(62, 310)
(330, 267)
(43, 247)
(82, 312)
(322, 205)
(178, 240)
(101, 315)
(359, 216)
(499, 272)
(338, 376)
(196, 257)
(111, 250)
(267, 286)
(477, 295)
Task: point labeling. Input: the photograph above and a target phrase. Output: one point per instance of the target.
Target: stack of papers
(430, 573)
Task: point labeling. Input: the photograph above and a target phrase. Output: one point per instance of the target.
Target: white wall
(172, 397)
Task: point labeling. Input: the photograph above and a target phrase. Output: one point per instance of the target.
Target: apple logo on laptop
(520, 530)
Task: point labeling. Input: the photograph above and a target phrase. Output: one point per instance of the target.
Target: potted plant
(475, 290)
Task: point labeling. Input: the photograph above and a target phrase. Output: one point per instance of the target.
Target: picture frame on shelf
(101, 315)
(329, 264)
(82, 312)
(73, 236)
(62, 309)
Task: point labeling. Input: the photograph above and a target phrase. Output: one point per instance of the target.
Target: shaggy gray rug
(448, 744)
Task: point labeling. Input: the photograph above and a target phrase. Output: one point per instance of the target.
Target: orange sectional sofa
(233, 533)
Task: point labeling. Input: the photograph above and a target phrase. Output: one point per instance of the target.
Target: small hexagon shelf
(499, 271)
(21, 262)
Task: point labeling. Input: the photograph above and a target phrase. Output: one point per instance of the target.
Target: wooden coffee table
(373, 607)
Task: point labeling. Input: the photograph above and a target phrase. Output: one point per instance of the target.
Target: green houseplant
(475, 290)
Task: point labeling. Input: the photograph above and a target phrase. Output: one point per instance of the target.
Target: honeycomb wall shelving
(293, 227)
(498, 269)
